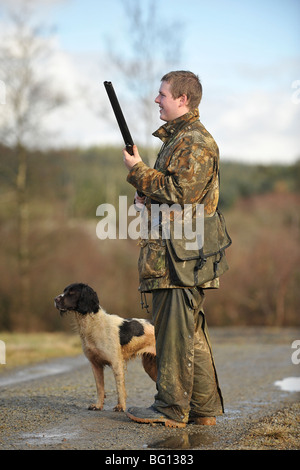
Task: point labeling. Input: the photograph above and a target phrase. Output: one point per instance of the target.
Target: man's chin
(163, 117)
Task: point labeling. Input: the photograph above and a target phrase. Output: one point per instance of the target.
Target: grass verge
(27, 348)
(280, 431)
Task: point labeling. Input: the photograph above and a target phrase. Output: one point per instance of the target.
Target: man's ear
(183, 100)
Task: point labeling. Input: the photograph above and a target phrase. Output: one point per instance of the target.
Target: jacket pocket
(195, 267)
(152, 259)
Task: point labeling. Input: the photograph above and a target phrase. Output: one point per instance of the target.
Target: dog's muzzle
(58, 304)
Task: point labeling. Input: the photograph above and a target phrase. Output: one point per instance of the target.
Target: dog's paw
(95, 407)
(119, 407)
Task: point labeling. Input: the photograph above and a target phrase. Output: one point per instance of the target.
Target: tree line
(84, 178)
(64, 188)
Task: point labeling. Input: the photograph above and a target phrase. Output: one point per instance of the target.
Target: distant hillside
(261, 204)
(83, 179)
(241, 180)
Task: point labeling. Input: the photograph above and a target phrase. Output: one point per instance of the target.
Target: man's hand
(139, 202)
(131, 160)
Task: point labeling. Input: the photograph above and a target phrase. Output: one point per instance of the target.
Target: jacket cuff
(133, 176)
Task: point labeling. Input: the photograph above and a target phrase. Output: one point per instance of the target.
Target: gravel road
(45, 406)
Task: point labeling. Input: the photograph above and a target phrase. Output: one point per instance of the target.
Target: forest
(48, 239)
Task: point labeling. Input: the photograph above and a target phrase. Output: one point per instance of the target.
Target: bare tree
(155, 47)
(29, 98)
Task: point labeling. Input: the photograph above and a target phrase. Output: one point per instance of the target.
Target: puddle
(231, 414)
(47, 437)
(185, 440)
(42, 370)
(289, 384)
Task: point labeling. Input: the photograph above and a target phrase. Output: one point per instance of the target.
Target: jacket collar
(171, 128)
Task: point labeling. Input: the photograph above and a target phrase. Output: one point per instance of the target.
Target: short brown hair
(185, 83)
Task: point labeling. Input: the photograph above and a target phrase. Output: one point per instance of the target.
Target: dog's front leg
(120, 383)
(99, 379)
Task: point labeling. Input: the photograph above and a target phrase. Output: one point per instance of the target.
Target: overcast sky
(246, 53)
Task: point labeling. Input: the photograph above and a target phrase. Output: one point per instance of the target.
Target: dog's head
(79, 298)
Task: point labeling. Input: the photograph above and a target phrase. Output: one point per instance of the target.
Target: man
(185, 172)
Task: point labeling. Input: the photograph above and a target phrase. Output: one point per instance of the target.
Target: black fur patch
(128, 329)
(88, 301)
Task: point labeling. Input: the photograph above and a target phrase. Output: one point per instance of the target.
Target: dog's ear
(88, 301)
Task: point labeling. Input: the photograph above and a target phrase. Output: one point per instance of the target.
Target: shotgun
(120, 119)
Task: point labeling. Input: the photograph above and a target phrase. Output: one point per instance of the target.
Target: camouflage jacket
(185, 172)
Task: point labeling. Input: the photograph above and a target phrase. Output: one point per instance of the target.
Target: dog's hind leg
(99, 379)
(150, 365)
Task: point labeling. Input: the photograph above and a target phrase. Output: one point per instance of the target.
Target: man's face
(169, 107)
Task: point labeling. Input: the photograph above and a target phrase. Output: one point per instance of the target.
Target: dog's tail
(150, 365)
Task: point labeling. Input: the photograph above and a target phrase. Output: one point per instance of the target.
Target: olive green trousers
(187, 384)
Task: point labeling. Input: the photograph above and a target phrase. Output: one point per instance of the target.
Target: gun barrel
(119, 116)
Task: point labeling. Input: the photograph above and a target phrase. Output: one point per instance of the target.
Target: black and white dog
(108, 339)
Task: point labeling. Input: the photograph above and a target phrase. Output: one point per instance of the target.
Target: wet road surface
(46, 406)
